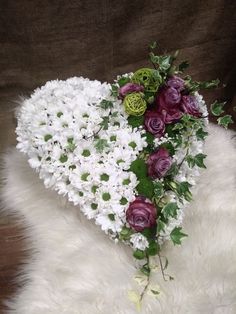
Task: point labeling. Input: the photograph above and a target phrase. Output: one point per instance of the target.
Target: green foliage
(197, 160)
(106, 104)
(138, 254)
(125, 233)
(170, 210)
(194, 86)
(100, 144)
(123, 80)
(201, 134)
(153, 248)
(176, 235)
(158, 189)
(114, 90)
(217, 108)
(183, 65)
(163, 62)
(225, 121)
(145, 187)
(173, 171)
(104, 123)
(135, 121)
(160, 226)
(139, 167)
(145, 269)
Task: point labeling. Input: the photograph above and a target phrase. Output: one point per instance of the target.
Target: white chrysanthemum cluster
(83, 148)
(59, 128)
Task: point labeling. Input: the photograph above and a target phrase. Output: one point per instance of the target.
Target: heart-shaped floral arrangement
(127, 153)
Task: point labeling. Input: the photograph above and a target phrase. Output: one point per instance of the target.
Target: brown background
(42, 40)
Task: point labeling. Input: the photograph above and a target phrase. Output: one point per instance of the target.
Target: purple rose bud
(154, 123)
(159, 163)
(189, 105)
(130, 88)
(141, 214)
(171, 116)
(176, 82)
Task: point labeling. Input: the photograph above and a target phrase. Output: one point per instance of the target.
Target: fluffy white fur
(75, 268)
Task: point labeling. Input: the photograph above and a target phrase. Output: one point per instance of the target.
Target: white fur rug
(75, 268)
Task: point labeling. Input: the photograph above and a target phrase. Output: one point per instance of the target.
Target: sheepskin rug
(75, 268)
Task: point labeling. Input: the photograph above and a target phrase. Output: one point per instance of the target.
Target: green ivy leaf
(170, 210)
(135, 121)
(197, 160)
(138, 254)
(123, 80)
(160, 226)
(217, 108)
(106, 104)
(104, 123)
(149, 138)
(145, 269)
(201, 134)
(145, 187)
(225, 121)
(114, 90)
(158, 189)
(173, 171)
(153, 248)
(100, 145)
(176, 235)
(153, 45)
(139, 167)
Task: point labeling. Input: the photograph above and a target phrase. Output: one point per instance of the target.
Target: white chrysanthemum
(139, 241)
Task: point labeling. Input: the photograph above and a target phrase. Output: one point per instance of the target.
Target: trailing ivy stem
(148, 281)
(162, 268)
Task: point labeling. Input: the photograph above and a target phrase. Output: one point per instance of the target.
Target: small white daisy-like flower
(139, 241)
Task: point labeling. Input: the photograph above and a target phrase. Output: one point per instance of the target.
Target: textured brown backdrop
(42, 40)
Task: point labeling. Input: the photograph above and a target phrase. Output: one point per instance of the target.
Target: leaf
(170, 210)
(164, 63)
(173, 171)
(217, 108)
(183, 65)
(160, 226)
(176, 235)
(149, 138)
(225, 121)
(153, 45)
(135, 121)
(106, 104)
(199, 160)
(125, 233)
(100, 145)
(158, 189)
(138, 254)
(145, 270)
(145, 187)
(139, 167)
(153, 248)
(104, 123)
(123, 80)
(201, 134)
(114, 90)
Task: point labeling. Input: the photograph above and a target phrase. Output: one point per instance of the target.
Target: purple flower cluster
(170, 106)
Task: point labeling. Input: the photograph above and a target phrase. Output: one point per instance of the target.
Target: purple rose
(189, 105)
(168, 98)
(141, 214)
(176, 82)
(129, 88)
(171, 116)
(154, 123)
(159, 163)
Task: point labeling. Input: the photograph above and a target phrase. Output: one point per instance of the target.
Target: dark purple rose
(176, 82)
(159, 163)
(154, 123)
(189, 105)
(141, 214)
(171, 116)
(130, 88)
